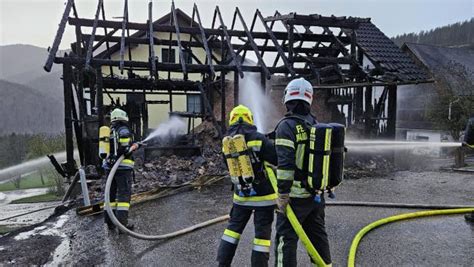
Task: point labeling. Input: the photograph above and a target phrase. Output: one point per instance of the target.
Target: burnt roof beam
(151, 47)
(253, 44)
(204, 40)
(59, 35)
(173, 67)
(122, 38)
(317, 20)
(178, 38)
(103, 39)
(198, 43)
(91, 40)
(324, 60)
(339, 44)
(229, 45)
(276, 44)
(193, 30)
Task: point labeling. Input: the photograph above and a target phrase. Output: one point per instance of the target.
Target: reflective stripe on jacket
(291, 138)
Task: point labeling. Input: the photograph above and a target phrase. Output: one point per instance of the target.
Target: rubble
(359, 166)
(174, 170)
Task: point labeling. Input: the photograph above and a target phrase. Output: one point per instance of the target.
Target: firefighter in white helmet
(292, 177)
(121, 142)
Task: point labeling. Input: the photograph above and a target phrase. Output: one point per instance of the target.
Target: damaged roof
(455, 64)
(386, 55)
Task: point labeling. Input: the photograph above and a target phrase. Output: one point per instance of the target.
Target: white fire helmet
(299, 89)
(118, 115)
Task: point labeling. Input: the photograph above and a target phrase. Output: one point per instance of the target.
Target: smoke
(168, 130)
(253, 96)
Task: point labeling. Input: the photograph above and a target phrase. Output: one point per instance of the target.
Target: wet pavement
(8, 210)
(437, 241)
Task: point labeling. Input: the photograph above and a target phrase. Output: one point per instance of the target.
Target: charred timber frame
(253, 44)
(204, 41)
(151, 48)
(122, 38)
(225, 32)
(321, 61)
(91, 40)
(178, 38)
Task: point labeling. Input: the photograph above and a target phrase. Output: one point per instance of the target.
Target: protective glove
(131, 149)
(282, 202)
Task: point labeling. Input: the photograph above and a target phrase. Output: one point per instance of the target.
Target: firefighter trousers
(311, 216)
(239, 216)
(120, 195)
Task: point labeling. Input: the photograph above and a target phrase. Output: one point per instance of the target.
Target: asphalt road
(436, 241)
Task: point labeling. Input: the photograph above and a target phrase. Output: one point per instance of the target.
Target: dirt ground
(437, 241)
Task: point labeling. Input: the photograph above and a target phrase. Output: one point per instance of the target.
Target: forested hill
(460, 34)
(26, 111)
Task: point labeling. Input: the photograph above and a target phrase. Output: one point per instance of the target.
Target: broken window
(167, 56)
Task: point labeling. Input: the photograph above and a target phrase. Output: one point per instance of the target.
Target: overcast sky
(35, 21)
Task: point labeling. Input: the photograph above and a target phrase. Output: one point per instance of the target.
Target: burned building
(176, 65)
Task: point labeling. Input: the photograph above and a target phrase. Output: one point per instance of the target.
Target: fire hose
(400, 217)
(127, 231)
(291, 217)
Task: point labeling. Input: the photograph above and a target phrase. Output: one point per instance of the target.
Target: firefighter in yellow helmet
(245, 150)
(121, 142)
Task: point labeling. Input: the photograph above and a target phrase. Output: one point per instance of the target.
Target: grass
(36, 199)
(7, 228)
(30, 181)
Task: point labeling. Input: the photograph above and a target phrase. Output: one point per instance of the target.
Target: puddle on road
(47, 229)
(9, 196)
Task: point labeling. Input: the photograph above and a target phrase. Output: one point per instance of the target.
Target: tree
(454, 103)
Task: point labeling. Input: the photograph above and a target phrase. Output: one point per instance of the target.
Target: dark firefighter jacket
(291, 138)
(265, 151)
(121, 139)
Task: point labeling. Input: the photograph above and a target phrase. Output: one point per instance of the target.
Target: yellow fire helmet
(118, 115)
(240, 114)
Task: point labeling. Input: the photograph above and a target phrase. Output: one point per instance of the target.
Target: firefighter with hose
(113, 143)
(245, 151)
(297, 186)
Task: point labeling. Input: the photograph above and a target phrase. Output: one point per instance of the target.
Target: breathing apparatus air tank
(336, 165)
(239, 163)
(319, 153)
(104, 142)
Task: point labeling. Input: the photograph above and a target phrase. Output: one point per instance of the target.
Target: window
(193, 103)
(164, 55)
(188, 58)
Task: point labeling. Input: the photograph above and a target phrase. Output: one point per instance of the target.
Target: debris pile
(367, 166)
(174, 170)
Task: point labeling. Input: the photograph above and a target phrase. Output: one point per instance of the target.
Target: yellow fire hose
(289, 213)
(124, 229)
(313, 253)
(405, 216)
